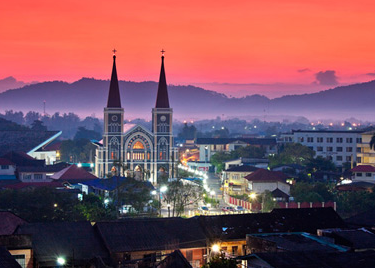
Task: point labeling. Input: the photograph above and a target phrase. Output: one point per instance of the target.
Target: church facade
(133, 150)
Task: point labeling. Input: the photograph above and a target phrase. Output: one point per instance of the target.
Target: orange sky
(237, 41)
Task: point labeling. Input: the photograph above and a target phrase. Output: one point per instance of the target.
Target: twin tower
(133, 150)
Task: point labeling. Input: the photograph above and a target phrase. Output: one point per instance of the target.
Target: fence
(258, 206)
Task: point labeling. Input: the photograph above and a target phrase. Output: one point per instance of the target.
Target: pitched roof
(52, 239)
(174, 260)
(278, 193)
(23, 159)
(227, 227)
(151, 234)
(162, 100)
(73, 174)
(23, 185)
(114, 100)
(6, 162)
(363, 168)
(364, 219)
(261, 175)
(25, 140)
(43, 169)
(7, 260)
(251, 141)
(316, 259)
(243, 168)
(357, 239)
(9, 222)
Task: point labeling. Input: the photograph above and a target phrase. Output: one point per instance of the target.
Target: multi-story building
(365, 154)
(339, 146)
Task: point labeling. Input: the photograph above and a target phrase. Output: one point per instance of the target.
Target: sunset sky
(271, 47)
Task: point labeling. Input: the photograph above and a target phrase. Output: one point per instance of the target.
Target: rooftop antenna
(44, 108)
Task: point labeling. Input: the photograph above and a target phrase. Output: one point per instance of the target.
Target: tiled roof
(261, 175)
(174, 260)
(23, 141)
(9, 222)
(73, 173)
(278, 193)
(243, 168)
(6, 162)
(151, 234)
(357, 239)
(42, 169)
(251, 141)
(364, 219)
(363, 168)
(52, 239)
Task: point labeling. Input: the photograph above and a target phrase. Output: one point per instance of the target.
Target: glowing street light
(163, 189)
(253, 196)
(215, 248)
(61, 261)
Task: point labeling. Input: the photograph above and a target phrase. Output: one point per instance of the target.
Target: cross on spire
(162, 52)
(114, 52)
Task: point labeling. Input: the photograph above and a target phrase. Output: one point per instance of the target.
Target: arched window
(163, 149)
(114, 147)
(138, 145)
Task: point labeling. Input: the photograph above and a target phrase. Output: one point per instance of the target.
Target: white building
(339, 146)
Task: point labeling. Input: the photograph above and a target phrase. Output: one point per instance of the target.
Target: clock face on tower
(114, 118)
(163, 118)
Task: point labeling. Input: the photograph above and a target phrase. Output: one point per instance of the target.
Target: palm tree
(372, 142)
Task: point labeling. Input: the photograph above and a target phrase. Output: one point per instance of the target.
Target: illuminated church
(145, 154)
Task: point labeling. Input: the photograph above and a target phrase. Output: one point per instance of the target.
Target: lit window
(138, 145)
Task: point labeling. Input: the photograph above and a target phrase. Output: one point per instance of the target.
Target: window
(359, 140)
(20, 259)
(349, 149)
(348, 158)
(319, 149)
(330, 157)
(349, 140)
(319, 139)
(38, 176)
(358, 149)
(300, 139)
(26, 176)
(338, 149)
(339, 140)
(234, 250)
(329, 140)
(359, 174)
(311, 147)
(4, 167)
(339, 158)
(359, 160)
(368, 174)
(310, 139)
(329, 149)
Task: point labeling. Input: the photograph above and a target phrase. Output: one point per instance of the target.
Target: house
(308, 259)
(365, 173)
(243, 161)
(229, 231)
(132, 239)
(9, 222)
(7, 260)
(7, 169)
(73, 174)
(294, 241)
(76, 242)
(234, 181)
(263, 180)
(210, 146)
(173, 260)
(29, 142)
(365, 154)
(20, 247)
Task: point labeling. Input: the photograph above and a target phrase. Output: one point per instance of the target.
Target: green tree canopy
(292, 153)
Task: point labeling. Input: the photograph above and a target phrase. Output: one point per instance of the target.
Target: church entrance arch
(138, 173)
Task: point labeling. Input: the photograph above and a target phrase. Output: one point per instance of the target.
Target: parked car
(240, 208)
(204, 209)
(225, 209)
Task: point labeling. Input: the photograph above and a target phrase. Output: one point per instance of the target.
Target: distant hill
(88, 96)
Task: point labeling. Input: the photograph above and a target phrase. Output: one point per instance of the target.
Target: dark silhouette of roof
(43, 169)
(23, 140)
(243, 168)
(151, 234)
(7, 260)
(356, 239)
(364, 219)
(251, 141)
(9, 222)
(356, 186)
(316, 259)
(6, 162)
(278, 193)
(114, 100)
(237, 226)
(23, 159)
(53, 239)
(262, 174)
(162, 100)
(112, 183)
(363, 168)
(174, 260)
(33, 185)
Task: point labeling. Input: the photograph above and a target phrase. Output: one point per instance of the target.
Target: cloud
(371, 74)
(327, 78)
(304, 70)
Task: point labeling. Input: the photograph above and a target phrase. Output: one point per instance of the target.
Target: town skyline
(237, 49)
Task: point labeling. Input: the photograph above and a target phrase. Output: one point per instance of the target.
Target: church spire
(114, 100)
(162, 100)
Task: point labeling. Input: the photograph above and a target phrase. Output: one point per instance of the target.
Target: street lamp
(61, 261)
(161, 190)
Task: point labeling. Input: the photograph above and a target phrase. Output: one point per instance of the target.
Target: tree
(220, 261)
(83, 133)
(249, 151)
(218, 160)
(320, 164)
(37, 125)
(292, 153)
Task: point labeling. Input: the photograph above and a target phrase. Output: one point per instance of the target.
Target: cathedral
(132, 149)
